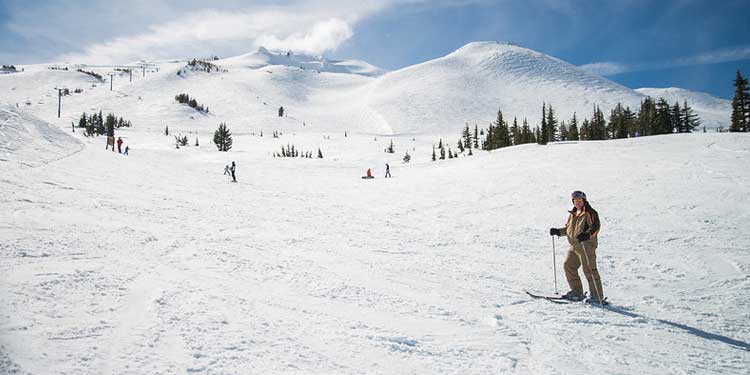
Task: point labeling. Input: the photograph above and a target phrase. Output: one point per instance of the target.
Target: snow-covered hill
(472, 83)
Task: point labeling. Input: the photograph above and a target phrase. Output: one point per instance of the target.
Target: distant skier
(119, 145)
(232, 169)
(226, 170)
(387, 170)
(581, 229)
(126, 149)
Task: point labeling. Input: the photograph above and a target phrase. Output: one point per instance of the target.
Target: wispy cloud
(711, 57)
(210, 31)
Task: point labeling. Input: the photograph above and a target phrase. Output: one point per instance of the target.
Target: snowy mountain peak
(511, 78)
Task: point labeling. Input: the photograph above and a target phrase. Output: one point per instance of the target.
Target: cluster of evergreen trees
(740, 120)
(183, 141)
(291, 152)
(186, 99)
(93, 74)
(499, 134)
(441, 147)
(200, 66)
(653, 117)
(50, 68)
(97, 124)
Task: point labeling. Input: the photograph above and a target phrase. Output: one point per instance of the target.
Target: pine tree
(526, 132)
(675, 115)
(689, 118)
(503, 135)
(109, 124)
(585, 133)
(740, 105)
(563, 131)
(663, 120)
(573, 129)
(543, 136)
(646, 119)
(320, 154)
(450, 153)
(629, 118)
(100, 124)
(515, 132)
(466, 136)
(390, 148)
(433, 153)
(499, 130)
(598, 126)
(489, 139)
(223, 138)
(476, 136)
(461, 146)
(442, 152)
(166, 130)
(407, 157)
(618, 123)
(551, 124)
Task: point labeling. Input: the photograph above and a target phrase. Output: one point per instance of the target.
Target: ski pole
(554, 262)
(598, 294)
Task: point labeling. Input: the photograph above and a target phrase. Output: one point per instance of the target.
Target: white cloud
(606, 68)
(300, 27)
(322, 36)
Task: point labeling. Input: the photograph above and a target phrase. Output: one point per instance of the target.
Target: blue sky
(696, 45)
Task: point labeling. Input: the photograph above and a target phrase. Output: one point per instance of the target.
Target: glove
(554, 232)
(583, 237)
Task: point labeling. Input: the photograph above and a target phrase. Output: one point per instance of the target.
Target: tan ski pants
(574, 261)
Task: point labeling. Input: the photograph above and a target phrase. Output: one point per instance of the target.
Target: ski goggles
(578, 194)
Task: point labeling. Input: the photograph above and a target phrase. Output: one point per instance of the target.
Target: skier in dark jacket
(387, 170)
(231, 169)
(581, 229)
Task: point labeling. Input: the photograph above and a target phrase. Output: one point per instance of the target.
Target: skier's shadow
(692, 330)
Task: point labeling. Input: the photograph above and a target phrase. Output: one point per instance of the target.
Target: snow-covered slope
(713, 111)
(25, 140)
(155, 263)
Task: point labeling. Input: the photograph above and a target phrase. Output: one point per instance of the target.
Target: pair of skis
(553, 299)
(561, 300)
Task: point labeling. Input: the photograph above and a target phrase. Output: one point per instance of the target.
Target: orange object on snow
(369, 172)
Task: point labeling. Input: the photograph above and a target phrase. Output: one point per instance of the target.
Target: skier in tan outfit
(581, 229)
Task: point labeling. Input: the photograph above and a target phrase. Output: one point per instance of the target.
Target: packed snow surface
(155, 263)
